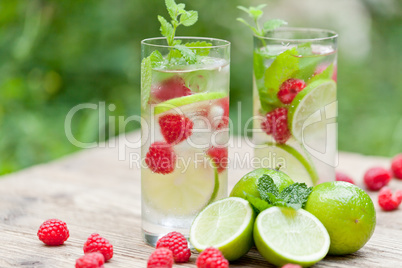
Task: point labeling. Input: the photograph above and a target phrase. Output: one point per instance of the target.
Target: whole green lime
(248, 183)
(347, 213)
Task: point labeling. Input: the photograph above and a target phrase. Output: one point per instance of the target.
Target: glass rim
(225, 42)
(333, 36)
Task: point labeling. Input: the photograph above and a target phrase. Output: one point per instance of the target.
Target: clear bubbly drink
(184, 142)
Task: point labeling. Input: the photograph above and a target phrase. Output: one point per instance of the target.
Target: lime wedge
(226, 224)
(180, 193)
(177, 102)
(284, 235)
(292, 162)
(308, 102)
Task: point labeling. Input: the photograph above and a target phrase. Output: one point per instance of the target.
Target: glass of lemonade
(185, 107)
(295, 104)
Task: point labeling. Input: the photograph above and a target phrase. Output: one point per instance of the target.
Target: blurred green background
(57, 54)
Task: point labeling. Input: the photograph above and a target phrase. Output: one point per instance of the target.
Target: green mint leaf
(257, 203)
(272, 198)
(187, 53)
(146, 81)
(296, 193)
(156, 59)
(258, 65)
(202, 47)
(267, 188)
(282, 68)
(261, 6)
(171, 8)
(166, 29)
(189, 18)
(256, 12)
(180, 8)
(326, 74)
(245, 9)
(273, 24)
(255, 31)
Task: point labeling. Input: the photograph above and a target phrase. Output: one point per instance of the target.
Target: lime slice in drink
(291, 162)
(177, 102)
(284, 235)
(226, 224)
(181, 192)
(307, 104)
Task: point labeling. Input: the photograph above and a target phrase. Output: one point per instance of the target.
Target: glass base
(151, 239)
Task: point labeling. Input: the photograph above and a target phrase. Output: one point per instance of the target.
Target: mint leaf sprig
(294, 196)
(256, 13)
(179, 16)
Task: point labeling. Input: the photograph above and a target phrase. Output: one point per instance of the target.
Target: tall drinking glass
(185, 109)
(295, 104)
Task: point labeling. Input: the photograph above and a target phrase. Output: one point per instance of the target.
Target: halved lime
(181, 192)
(284, 235)
(226, 224)
(308, 103)
(177, 102)
(292, 162)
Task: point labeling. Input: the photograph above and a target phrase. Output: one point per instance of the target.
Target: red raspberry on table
(219, 156)
(376, 178)
(339, 176)
(161, 258)
(161, 158)
(96, 243)
(90, 260)
(275, 123)
(396, 166)
(175, 128)
(211, 258)
(289, 89)
(171, 88)
(177, 243)
(291, 265)
(387, 201)
(53, 232)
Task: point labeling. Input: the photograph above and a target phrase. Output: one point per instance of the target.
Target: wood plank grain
(93, 191)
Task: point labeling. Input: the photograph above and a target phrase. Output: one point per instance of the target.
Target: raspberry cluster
(176, 128)
(97, 249)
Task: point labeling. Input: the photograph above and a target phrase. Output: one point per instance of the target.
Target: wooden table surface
(93, 191)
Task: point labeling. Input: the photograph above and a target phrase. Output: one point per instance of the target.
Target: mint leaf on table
(146, 81)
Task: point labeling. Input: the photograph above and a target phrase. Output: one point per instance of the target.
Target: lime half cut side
(226, 224)
(177, 102)
(284, 235)
(292, 162)
(306, 105)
